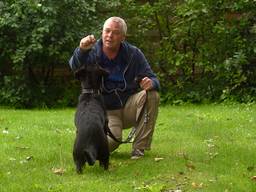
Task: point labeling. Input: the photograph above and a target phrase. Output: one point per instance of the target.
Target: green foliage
(37, 37)
(14, 91)
(202, 50)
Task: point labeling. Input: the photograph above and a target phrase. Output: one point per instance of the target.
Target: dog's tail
(89, 157)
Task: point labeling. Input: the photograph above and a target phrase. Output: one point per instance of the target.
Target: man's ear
(123, 39)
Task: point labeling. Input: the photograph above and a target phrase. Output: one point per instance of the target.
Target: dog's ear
(98, 69)
(102, 71)
(79, 72)
(76, 74)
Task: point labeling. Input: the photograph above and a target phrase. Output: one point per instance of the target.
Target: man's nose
(110, 34)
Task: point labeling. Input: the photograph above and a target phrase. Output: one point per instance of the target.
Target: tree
(37, 36)
(203, 50)
(200, 49)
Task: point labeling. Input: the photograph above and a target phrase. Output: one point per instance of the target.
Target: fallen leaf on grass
(58, 171)
(190, 166)
(175, 190)
(26, 160)
(183, 155)
(21, 147)
(5, 131)
(12, 159)
(158, 159)
(197, 185)
(18, 137)
(253, 178)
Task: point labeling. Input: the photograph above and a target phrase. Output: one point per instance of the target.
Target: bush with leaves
(36, 38)
(202, 50)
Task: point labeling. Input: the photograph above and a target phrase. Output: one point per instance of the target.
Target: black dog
(91, 120)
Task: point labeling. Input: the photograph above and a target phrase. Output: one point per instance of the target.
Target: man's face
(112, 35)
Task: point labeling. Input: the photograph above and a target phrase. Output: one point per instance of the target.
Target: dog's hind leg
(104, 164)
(79, 161)
(104, 158)
(79, 167)
(90, 156)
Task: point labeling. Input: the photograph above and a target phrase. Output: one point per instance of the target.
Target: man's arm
(150, 81)
(80, 54)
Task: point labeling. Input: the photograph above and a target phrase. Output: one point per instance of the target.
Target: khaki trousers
(127, 117)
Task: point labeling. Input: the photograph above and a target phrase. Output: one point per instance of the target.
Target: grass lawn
(195, 148)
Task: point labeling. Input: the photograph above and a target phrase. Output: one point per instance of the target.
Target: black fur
(91, 121)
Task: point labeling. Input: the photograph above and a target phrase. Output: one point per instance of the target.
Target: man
(125, 100)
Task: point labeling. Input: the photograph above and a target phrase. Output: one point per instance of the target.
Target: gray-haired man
(125, 99)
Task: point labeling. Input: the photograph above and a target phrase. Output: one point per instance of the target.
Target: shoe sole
(136, 157)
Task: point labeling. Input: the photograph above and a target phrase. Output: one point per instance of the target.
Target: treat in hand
(87, 42)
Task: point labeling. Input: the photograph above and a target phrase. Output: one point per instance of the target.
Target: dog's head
(90, 75)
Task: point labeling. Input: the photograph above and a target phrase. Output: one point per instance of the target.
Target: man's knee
(150, 96)
(153, 97)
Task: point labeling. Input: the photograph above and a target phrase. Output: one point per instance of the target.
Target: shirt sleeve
(145, 69)
(78, 58)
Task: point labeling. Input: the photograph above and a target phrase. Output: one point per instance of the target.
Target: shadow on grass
(120, 155)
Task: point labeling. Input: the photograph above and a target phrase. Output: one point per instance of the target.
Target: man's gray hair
(120, 21)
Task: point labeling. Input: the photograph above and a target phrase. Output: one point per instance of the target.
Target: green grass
(203, 148)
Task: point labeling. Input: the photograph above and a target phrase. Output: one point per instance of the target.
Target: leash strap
(127, 140)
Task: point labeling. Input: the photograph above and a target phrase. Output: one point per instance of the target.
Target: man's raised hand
(87, 42)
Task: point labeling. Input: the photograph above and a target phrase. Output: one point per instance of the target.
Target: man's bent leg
(133, 108)
(115, 125)
(132, 113)
(146, 124)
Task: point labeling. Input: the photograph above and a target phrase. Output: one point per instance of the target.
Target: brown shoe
(137, 154)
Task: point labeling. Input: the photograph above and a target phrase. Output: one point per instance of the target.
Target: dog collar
(90, 91)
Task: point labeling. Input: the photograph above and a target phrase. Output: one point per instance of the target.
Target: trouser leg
(116, 126)
(152, 112)
(124, 118)
(146, 124)
(129, 117)
(144, 127)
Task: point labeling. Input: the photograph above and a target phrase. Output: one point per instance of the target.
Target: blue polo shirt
(128, 64)
(115, 67)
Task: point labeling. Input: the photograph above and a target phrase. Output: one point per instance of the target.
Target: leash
(127, 140)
